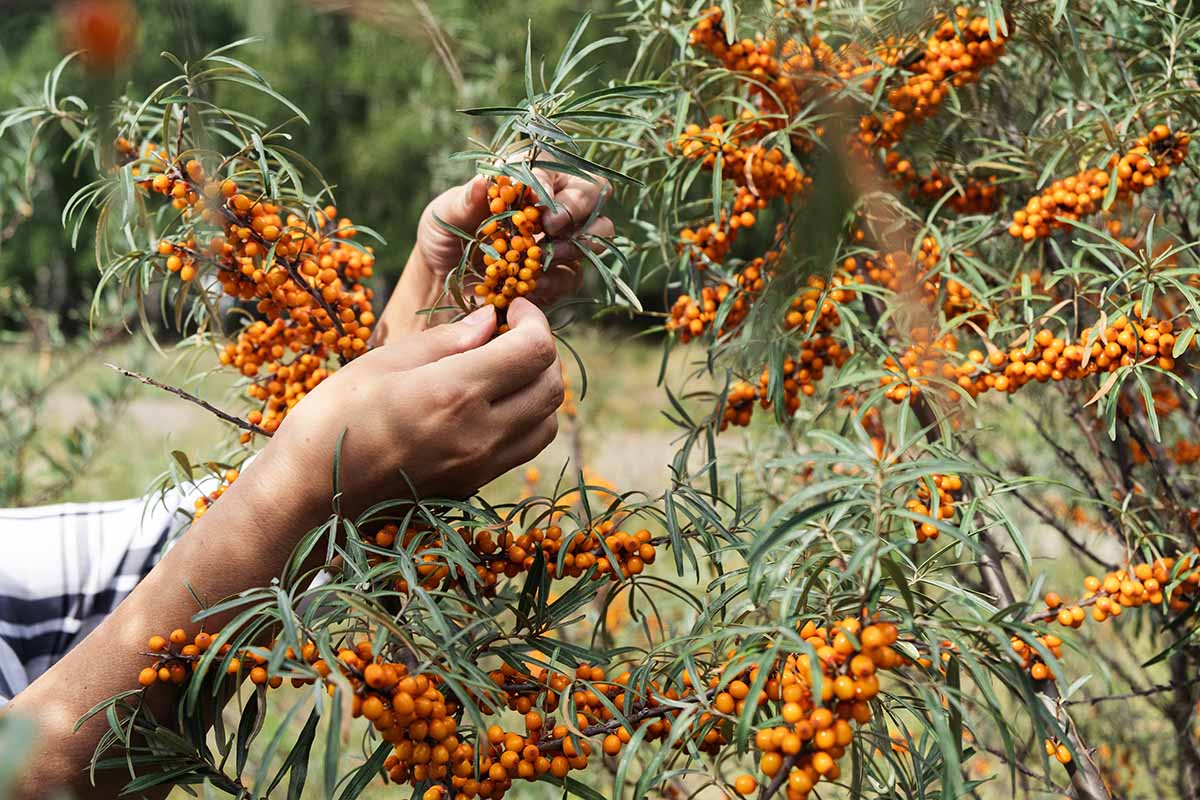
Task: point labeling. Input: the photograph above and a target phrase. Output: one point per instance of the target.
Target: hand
(435, 414)
(466, 206)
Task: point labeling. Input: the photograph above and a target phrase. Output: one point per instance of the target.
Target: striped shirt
(64, 568)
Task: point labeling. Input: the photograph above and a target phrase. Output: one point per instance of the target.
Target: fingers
(524, 449)
(512, 361)
(537, 400)
(464, 207)
(441, 341)
(567, 252)
(576, 198)
(558, 281)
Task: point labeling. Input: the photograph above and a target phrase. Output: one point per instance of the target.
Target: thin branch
(1149, 690)
(207, 406)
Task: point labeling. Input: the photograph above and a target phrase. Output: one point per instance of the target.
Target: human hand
(434, 414)
(567, 228)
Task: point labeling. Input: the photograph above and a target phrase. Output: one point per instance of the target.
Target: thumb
(464, 206)
(470, 332)
(522, 312)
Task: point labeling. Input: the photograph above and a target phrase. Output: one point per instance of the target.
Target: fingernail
(481, 316)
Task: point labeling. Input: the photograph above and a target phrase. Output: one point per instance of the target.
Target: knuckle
(542, 350)
(557, 392)
(448, 396)
(551, 430)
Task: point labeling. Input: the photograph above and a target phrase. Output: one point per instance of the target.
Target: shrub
(950, 251)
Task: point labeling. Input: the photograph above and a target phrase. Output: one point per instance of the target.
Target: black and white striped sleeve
(63, 568)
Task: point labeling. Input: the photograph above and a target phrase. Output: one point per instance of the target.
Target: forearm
(212, 559)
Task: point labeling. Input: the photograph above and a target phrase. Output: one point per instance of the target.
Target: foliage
(42, 465)
(924, 238)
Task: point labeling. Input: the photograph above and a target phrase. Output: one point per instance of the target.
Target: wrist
(419, 288)
(289, 495)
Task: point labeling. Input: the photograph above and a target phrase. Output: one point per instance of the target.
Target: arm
(451, 409)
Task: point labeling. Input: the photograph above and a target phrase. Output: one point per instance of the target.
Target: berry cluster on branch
(298, 267)
(1071, 199)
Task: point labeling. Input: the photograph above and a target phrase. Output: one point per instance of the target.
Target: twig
(771, 788)
(207, 406)
(1149, 690)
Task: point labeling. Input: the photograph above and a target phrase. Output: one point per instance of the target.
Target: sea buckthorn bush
(930, 275)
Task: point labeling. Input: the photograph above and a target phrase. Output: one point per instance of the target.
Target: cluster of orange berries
(973, 196)
(813, 309)
(410, 712)
(1122, 589)
(955, 54)
(302, 273)
(512, 257)
(690, 318)
(176, 657)
(896, 271)
(800, 375)
(816, 728)
(710, 243)
(770, 84)
(414, 713)
(739, 405)
(608, 552)
(1125, 341)
(948, 487)
(1073, 198)
(909, 375)
(1031, 658)
(766, 172)
(203, 502)
(1058, 751)
(549, 748)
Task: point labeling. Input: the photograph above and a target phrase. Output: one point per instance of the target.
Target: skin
(435, 409)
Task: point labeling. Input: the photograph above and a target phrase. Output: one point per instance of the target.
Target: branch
(1149, 690)
(771, 788)
(1086, 780)
(207, 406)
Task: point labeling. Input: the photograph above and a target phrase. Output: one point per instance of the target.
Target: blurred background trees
(381, 80)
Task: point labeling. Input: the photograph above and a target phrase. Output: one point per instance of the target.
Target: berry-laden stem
(1086, 781)
(770, 789)
(191, 398)
(1085, 775)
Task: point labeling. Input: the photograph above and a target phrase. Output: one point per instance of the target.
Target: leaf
(333, 744)
(366, 773)
(1181, 343)
(267, 90)
(572, 787)
(889, 565)
(529, 60)
(248, 727)
(562, 69)
(296, 764)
